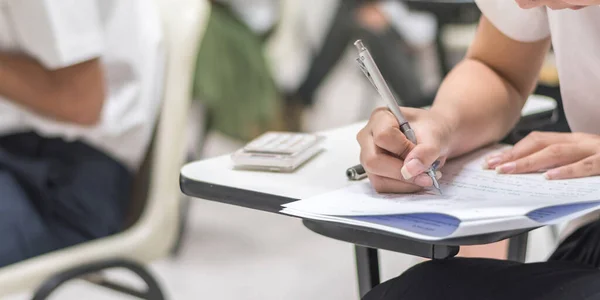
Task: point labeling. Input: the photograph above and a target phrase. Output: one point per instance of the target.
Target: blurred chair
(154, 225)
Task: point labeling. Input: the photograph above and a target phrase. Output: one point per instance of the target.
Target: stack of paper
(475, 201)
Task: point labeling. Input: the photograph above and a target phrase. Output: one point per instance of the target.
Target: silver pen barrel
(384, 91)
(369, 67)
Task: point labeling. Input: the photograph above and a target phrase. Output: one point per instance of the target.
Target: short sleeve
(58, 33)
(524, 25)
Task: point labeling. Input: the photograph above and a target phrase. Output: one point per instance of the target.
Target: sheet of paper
(470, 193)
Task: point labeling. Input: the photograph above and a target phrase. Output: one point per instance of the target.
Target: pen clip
(361, 64)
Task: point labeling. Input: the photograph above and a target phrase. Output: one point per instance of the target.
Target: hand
(563, 155)
(385, 149)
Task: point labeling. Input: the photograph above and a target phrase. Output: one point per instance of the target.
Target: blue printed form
(436, 225)
(552, 213)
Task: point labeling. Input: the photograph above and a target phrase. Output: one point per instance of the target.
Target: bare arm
(483, 96)
(74, 94)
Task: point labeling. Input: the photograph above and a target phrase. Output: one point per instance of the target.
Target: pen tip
(437, 185)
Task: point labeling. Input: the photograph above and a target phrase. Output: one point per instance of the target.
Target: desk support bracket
(517, 247)
(367, 268)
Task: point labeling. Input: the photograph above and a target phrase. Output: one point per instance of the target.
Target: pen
(370, 69)
(356, 173)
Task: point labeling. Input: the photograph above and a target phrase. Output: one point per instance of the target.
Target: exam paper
(475, 201)
(470, 193)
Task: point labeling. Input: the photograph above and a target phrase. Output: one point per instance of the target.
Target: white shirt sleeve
(58, 33)
(524, 25)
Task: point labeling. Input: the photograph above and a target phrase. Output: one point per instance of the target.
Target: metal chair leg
(367, 268)
(517, 247)
(91, 273)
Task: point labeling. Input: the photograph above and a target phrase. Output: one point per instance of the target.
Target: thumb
(420, 160)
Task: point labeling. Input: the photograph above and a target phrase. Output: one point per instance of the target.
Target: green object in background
(233, 79)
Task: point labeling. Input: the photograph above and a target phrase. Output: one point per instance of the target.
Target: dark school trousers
(55, 194)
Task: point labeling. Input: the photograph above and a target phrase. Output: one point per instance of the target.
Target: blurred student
(478, 104)
(391, 47)
(79, 83)
(233, 80)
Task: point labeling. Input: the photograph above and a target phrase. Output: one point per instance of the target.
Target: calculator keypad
(282, 143)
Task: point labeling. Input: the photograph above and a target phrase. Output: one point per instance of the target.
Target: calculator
(278, 151)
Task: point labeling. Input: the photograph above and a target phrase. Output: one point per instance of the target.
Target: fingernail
(551, 174)
(492, 162)
(405, 174)
(438, 175)
(507, 168)
(412, 168)
(423, 180)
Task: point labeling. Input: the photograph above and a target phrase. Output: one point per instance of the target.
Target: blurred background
(290, 65)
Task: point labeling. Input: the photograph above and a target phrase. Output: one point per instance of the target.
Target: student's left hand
(561, 155)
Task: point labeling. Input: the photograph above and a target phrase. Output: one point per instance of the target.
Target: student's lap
(482, 279)
(56, 194)
(572, 272)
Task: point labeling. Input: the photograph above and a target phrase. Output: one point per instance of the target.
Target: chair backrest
(141, 186)
(184, 22)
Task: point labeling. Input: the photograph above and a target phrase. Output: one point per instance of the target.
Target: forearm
(480, 106)
(23, 80)
(73, 94)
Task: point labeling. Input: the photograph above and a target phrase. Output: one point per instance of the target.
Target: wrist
(448, 121)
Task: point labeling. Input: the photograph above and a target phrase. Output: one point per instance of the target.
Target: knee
(434, 279)
(432, 270)
(417, 282)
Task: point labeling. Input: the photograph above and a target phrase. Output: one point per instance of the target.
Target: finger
(384, 165)
(392, 140)
(383, 117)
(380, 117)
(425, 181)
(377, 162)
(420, 159)
(589, 166)
(387, 135)
(363, 136)
(532, 143)
(549, 157)
(388, 185)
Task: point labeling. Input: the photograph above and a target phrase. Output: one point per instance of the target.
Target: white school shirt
(576, 41)
(124, 34)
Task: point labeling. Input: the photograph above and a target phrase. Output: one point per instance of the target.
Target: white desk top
(324, 173)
